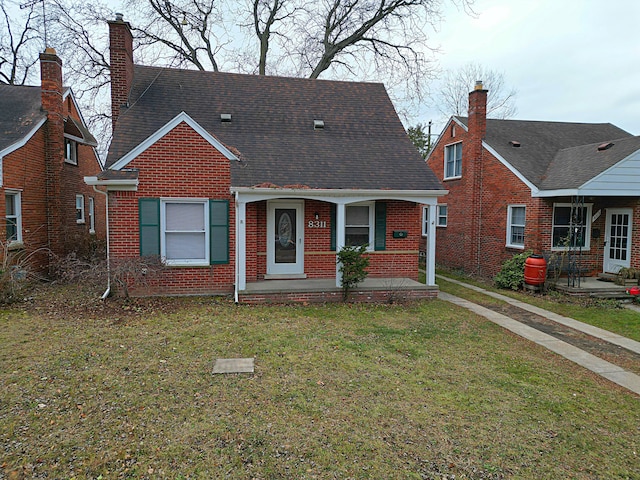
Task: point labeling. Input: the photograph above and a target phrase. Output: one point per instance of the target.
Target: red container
(535, 270)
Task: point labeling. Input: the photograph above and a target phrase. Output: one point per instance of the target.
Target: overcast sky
(569, 60)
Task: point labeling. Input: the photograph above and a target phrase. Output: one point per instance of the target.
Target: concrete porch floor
(592, 287)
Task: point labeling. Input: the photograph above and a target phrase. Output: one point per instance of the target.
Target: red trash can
(535, 270)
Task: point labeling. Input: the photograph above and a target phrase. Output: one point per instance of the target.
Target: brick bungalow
(249, 184)
(46, 151)
(569, 191)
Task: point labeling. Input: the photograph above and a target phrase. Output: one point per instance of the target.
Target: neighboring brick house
(45, 153)
(236, 179)
(570, 189)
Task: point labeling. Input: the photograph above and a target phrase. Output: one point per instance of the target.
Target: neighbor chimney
(51, 94)
(121, 46)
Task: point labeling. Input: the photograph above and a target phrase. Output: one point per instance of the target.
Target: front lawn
(426, 390)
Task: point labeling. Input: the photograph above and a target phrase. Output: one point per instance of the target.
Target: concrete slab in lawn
(233, 365)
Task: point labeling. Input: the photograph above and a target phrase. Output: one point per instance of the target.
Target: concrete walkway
(608, 370)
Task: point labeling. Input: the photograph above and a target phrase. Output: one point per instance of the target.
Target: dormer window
(70, 151)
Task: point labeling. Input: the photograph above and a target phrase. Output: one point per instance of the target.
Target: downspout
(107, 292)
(235, 286)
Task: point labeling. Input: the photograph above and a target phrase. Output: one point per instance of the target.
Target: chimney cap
(119, 17)
(478, 85)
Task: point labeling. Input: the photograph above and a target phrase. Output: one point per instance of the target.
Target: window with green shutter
(149, 221)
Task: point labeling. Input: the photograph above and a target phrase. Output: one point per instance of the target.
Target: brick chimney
(52, 103)
(121, 49)
(477, 131)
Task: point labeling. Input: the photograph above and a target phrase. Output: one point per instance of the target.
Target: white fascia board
(585, 191)
(512, 169)
(23, 141)
(75, 102)
(181, 117)
(113, 185)
(338, 196)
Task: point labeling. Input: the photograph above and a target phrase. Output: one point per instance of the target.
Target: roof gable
(166, 128)
(362, 145)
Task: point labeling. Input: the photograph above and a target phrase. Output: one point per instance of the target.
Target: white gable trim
(512, 169)
(178, 119)
(451, 120)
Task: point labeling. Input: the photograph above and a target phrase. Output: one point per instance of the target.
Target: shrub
(512, 273)
(353, 265)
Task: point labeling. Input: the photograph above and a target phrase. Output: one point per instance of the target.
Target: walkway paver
(597, 365)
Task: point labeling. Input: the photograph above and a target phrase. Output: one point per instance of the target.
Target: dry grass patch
(426, 390)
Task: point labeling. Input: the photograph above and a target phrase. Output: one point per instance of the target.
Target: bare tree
(453, 97)
(20, 41)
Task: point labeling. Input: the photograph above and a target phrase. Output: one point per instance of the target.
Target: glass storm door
(617, 247)
(285, 238)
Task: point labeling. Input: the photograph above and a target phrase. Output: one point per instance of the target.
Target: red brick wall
(180, 165)
(121, 63)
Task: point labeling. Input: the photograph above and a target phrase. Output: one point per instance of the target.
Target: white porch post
(431, 247)
(241, 245)
(340, 221)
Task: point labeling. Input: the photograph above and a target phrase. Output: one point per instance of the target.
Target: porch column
(340, 221)
(431, 246)
(241, 245)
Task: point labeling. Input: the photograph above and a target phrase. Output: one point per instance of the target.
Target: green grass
(426, 390)
(606, 314)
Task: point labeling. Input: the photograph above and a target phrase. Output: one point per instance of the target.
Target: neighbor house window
(571, 226)
(359, 221)
(425, 221)
(70, 151)
(453, 160)
(92, 218)
(79, 209)
(13, 216)
(515, 226)
(442, 215)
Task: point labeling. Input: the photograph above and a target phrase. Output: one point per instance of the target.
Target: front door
(285, 238)
(617, 247)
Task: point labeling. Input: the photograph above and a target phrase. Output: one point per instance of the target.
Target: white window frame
(425, 221)
(193, 262)
(371, 226)
(70, 151)
(587, 227)
(80, 209)
(17, 204)
(92, 219)
(510, 225)
(453, 147)
(441, 219)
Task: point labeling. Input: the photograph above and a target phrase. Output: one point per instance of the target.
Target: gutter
(235, 285)
(107, 292)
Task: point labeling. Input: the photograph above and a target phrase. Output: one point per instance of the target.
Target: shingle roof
(19, 112)
(547, 155)
(363, 144)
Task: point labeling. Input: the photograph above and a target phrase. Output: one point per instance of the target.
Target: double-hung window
(453, 160)
(571, 226)
(70, 151)
(359, 222)
(516, 215)
(185, 236)
(79, 208)
(442, 215)
(13, 215)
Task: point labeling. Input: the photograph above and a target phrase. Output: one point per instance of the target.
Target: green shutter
(149, 223)
(380, 239)
(332, 220)
(219, 231)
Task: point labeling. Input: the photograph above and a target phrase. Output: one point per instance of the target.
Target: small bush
(511, 276)
(353, 266)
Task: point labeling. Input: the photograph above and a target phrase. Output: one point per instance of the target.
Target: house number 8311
(317, 224)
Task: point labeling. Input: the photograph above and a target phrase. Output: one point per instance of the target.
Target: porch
(599, 287)
(375, 290)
